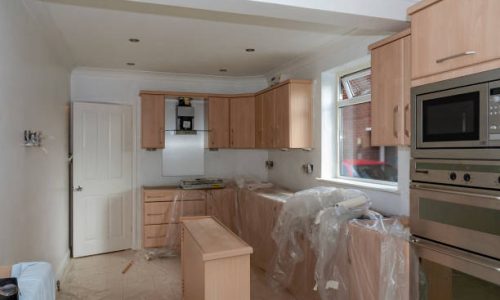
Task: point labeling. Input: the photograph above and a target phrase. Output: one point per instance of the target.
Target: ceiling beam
(379, 15)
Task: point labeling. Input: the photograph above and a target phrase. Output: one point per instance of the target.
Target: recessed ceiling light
(130, 64)
(222, 70)
(250, 50)
(134, 40)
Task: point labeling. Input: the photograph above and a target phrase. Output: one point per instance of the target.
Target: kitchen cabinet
(152, 121)
(242, 122)
(215, 262)
(162, 210)
(286, 115)
(390, 95)
(218, 122)
(265, 119)
(453, 38)
(221, 204)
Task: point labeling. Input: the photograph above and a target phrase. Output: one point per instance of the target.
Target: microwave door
(454, 118)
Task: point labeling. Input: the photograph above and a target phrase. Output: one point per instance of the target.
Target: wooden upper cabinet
(452, 38)
(287, 115)
(259, 125)
(242, 122)
(152, 121)
(218, 122)
(390, 104)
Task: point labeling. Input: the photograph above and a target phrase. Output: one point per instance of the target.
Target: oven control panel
(480, 174)
(494, 114)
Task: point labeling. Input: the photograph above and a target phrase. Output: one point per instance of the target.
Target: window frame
(339, 104)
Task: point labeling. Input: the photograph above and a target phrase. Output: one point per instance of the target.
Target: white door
(102, 178)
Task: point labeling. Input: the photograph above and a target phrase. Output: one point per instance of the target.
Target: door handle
(395, 121)
(406, 115)
(455, 56)
(77, 189)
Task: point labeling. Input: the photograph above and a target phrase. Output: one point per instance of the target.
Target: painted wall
(34, 94)
(287, 169)
(123, 87)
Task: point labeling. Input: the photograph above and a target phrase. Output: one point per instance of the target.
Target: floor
(100, 277)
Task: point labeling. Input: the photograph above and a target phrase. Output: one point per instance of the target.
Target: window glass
(357, 157)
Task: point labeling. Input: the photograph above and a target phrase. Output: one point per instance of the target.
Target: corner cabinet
(390, 104)
(453, 38)
(152, 121)
(284, 115)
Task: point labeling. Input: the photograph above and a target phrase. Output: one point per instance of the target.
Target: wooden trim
(421, 5)
(205, 96)
(5, 271)
(283, 83)
(463, 71)
(390, 39)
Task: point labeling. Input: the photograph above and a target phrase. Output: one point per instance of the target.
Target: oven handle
(452, 253)
(451, 191)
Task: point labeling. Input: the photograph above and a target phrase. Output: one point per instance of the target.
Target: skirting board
(61, 267)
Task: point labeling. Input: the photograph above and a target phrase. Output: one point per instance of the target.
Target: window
(357, 159)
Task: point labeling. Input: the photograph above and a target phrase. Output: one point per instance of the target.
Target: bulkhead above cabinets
(279, 117)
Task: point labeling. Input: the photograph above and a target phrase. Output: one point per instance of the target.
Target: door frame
(135, 241)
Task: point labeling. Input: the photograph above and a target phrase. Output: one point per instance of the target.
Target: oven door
(462, 217)
(453, 274)
(454, 118)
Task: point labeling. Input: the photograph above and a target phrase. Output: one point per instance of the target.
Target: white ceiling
(187, 40)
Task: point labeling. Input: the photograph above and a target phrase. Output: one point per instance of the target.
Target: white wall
(287, 169)
(34, 94)
(123, 87)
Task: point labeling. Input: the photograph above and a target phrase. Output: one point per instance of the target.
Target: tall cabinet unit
(286, 115)
(390, 104)
(152, 121)
(242, 122)
(218, 122)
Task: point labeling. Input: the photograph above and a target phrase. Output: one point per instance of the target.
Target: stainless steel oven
(458, 118)
(453, 274)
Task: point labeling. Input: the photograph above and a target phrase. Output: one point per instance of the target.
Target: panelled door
(102, 178)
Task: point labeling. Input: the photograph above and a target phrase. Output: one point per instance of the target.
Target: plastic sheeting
(318, 231)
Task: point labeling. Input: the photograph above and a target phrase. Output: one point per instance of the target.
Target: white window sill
(366, 185)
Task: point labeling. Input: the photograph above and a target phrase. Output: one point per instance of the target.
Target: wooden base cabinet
(162, 210)
(215, 262)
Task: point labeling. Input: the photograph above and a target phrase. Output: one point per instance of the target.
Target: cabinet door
(387, 94)
(152, 121)
(268, 119)
(452, 34)
(282, 117)
(259, 121)
(218, 122)
(242, 122)
(221, 204)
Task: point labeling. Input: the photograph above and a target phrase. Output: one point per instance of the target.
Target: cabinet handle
(407, 110)
(455, 56)
(162, 135)
(394, 121)
(155, 214)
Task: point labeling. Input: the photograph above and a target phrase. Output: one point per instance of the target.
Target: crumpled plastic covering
(320, 231)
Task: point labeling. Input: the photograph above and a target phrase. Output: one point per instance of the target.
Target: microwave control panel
(494, 114)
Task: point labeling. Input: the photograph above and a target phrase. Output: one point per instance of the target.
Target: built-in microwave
(458, 118)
